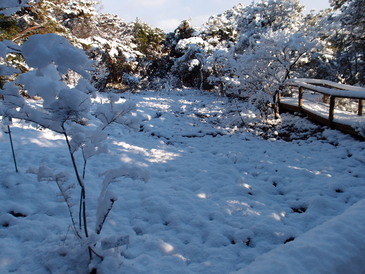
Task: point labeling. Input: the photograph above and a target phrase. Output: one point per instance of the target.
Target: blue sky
(167, 14)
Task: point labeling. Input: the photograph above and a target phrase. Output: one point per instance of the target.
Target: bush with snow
(40, 96)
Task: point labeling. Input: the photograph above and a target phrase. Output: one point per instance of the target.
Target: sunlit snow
(218, 199)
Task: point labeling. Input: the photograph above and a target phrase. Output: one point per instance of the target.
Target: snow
(184, 44)
(329, 83)
(55, 49)
(338, 250)
(218, 199)
(9, 7)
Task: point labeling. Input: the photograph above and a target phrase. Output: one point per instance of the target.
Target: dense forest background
(248, 51)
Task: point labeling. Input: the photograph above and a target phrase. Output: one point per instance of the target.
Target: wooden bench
(330, 92)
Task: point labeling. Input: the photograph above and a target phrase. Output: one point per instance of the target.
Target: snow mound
(336, 246)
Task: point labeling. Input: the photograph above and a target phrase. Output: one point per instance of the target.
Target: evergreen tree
(348, 38)
(148, 39)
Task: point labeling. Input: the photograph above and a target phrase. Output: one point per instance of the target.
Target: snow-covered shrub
(50, 103)
(131, 80)
(189, 66)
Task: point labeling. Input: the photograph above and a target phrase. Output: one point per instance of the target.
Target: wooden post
(332, 109)
(300, 98)
(359, 112)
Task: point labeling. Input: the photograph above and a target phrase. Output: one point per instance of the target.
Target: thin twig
(100, 226)
(92, 251)
(12, 149)
(80, 210)
(239, 112)
(85, 163)
(69, 209)
(81, 183)
(84, 211)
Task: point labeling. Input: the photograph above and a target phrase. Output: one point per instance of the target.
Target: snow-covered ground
(219, 199)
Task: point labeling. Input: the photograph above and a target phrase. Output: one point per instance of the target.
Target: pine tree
(348, 38)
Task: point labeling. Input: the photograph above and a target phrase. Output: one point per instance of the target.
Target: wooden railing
(330, 91)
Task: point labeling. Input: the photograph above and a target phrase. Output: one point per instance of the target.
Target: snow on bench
(329, 88)
(323, 113)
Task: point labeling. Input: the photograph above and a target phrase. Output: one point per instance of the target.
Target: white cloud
(168, 24)
(197, 21)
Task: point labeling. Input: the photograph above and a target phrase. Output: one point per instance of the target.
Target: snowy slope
(338, 243)
(217, 198)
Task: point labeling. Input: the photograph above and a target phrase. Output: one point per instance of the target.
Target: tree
(270, 47)
(347, 38)
(264, 68)
(221, 30)
(147, 39)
